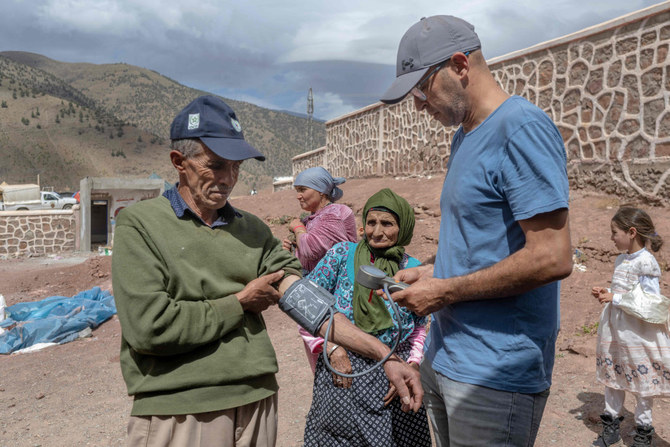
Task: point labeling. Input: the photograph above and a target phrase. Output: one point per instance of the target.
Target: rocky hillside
(65, 121)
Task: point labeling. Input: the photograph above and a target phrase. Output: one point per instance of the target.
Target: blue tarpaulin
(56, 319)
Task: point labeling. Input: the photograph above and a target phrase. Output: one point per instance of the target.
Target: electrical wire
(394, 306)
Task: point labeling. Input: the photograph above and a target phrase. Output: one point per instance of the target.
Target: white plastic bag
(645, 306)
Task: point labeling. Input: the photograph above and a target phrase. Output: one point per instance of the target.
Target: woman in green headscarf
(365, 411)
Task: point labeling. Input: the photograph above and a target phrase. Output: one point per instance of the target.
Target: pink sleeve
(331, 228)
(313, 347)
(417, 339)
(314, 344)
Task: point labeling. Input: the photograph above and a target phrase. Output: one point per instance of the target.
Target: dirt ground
(73, 394)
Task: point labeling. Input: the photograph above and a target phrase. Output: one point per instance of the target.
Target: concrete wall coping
(586, 32)
(39, 212)
(356, 112)
(124, 183)
(283, 182)
(307, 154)
(592, 30)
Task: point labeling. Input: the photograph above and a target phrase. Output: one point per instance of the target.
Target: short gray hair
(189, 147)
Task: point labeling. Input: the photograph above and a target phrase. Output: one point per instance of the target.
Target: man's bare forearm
(545, 258)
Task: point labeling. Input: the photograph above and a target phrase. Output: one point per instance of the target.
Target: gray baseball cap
(428, 42)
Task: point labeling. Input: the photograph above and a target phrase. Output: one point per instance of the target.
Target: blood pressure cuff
(307, 304)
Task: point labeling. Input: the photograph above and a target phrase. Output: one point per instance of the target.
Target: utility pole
(310, 112)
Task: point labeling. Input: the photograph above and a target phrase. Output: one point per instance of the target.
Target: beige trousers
(251, 425)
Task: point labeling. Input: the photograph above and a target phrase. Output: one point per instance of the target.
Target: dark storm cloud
(271, 53)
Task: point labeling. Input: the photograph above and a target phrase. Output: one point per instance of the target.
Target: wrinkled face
(310, 199)
(381, 229)
(210, 179)
(622, 239)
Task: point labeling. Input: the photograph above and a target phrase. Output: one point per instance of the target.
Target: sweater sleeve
(276, 258)
(152, 321)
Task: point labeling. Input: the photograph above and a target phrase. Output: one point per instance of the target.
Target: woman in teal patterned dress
(364, 411)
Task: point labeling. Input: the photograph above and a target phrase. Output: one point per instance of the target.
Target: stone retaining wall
(38, 232)
(607, 88)
(282, 185)
(316, 157)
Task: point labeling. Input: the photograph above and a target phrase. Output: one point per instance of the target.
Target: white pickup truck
(29, 197)
(53, 200)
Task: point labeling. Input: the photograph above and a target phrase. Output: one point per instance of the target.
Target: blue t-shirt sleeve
(534, 170)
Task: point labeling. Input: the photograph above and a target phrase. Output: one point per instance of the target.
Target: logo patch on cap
(193, 121)
(407, 64)
(236, 124)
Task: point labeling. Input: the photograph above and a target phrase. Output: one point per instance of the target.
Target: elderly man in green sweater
(191, 276)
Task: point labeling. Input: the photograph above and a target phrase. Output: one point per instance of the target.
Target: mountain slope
(123, 96)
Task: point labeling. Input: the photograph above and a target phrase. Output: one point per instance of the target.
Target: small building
(101, 199)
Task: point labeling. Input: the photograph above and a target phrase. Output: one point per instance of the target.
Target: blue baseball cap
(212, 121)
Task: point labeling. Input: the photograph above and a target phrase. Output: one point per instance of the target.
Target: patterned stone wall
(607, 88)
(317, 157)
(608, 93)
(357, 141)
(412, 144)
(37, 232)
(282, 185)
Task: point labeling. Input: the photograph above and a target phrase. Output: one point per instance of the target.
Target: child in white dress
(633, 352)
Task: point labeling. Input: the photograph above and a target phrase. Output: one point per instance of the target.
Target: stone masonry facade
(317, 157)
(37, 232)
(607, 88)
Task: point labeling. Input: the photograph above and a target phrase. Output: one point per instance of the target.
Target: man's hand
(406, 383)
(259, 294)
(412, 275)
(424, 296)
(392, 392)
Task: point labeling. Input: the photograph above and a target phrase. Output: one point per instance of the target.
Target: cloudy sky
(270, 52)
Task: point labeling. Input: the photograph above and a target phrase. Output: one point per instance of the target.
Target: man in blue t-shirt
(504, 244)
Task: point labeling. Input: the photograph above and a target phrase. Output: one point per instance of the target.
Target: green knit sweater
(187, 346)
